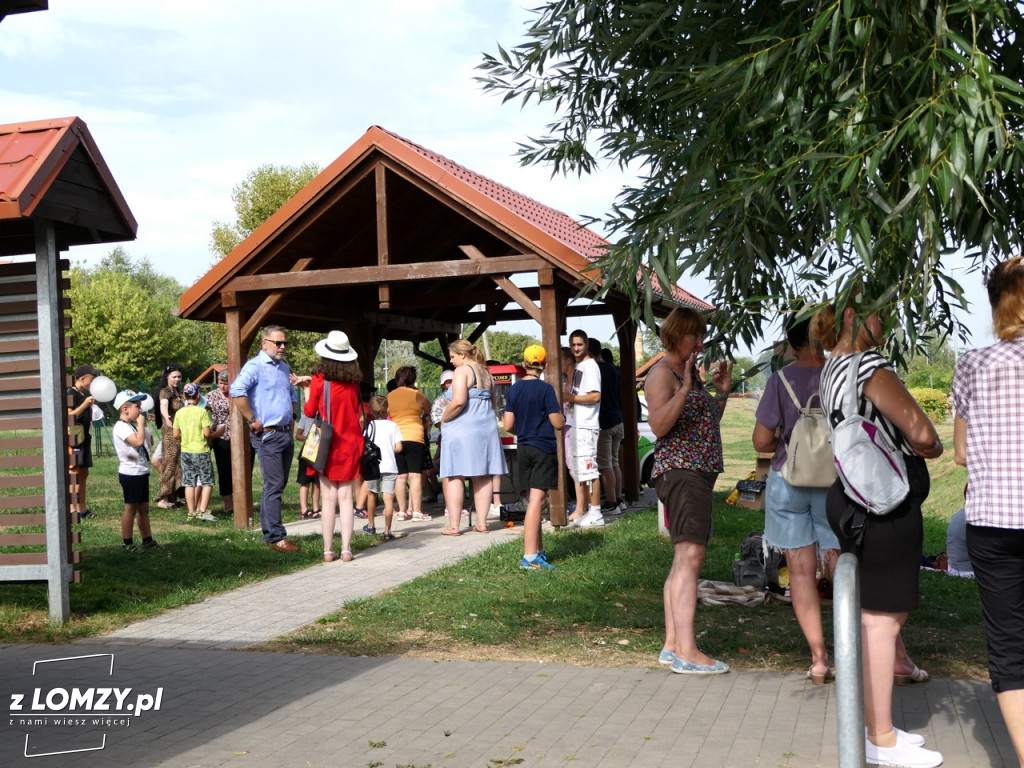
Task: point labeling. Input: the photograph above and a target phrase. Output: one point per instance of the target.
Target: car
(645, 444)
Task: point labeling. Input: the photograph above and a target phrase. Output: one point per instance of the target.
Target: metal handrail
(849, 677)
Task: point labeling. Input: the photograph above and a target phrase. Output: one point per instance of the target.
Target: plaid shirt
(988, 390)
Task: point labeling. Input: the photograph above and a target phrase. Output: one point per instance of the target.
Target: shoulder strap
(327, 401)
(850, 398)
(789, 389)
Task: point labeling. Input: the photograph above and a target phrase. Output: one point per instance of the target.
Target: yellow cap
(534, 355)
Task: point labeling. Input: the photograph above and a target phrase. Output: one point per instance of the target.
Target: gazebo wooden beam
(430, 270)
(268, 304)
(512, 290)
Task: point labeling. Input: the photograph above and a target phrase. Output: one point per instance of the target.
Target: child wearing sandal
(307, 477)
(193, 427)
(388, 438)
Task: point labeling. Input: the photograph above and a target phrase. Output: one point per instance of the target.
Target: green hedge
(932, 402)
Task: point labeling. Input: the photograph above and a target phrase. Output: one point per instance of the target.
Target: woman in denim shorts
(795, 521)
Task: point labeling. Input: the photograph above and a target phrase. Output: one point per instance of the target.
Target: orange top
(407, 412)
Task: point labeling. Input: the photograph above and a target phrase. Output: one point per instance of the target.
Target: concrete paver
(222, 706)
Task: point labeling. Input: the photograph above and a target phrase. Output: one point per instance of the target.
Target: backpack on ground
(809, 461)
(873, 470)
(370, 464)
(757, 566)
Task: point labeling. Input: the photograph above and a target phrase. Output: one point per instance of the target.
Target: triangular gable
(52, 169)
(551, 234)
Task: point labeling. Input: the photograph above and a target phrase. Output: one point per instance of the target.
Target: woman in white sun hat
(337, 377)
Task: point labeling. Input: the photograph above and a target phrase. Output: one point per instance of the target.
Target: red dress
(347, 444)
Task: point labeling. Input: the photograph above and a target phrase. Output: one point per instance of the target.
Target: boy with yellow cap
(532, 413)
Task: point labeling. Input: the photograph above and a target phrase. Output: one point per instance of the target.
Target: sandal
(918, 675)
(420, 517)
(305, 514)
(346, 556)
(330, 557)
(369, 529)
(478, 529)
(818, 679)
(450, 532)
(360, 513)
(403, 516)
(314, 515)
(388, 536)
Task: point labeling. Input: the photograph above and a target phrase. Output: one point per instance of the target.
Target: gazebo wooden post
(552, 303)
(625, 330)
(365, 343)
(241, 466)
(51, 380)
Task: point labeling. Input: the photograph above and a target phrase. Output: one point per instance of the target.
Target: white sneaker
(207, 517)
(903, 755)
(912, 739)
(622, 505)
(494, 513)
(591, 520)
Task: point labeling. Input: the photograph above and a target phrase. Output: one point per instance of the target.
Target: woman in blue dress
(471, 447)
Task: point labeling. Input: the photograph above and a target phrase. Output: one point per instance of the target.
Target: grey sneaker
(206, 517)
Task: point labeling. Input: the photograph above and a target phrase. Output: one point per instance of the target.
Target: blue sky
(185, 98)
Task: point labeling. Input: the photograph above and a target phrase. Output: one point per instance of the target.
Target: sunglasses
(278, 344)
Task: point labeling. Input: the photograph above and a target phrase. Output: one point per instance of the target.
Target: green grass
(603, 603)
(118, 588)
(601, 606)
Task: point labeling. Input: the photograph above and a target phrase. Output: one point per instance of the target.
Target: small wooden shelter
(55, 192)
(394, 241)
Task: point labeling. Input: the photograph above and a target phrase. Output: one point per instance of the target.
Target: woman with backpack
(794, 520)
(887, 546)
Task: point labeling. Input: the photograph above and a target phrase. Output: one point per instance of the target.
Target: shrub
(932, 402)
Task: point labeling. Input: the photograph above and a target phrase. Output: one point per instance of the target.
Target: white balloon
(147, 404)
(103, 389)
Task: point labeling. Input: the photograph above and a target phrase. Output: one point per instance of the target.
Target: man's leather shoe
(283, 545)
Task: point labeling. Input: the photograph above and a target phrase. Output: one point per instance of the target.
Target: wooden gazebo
(393, 241)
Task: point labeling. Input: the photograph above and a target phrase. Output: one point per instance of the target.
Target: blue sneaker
(681, 667)
(538, 563)
(666, 657)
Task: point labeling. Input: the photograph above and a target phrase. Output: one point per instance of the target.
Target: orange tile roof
(583, 241)
(53, 168)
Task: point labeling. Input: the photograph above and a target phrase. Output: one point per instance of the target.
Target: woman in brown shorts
(687, 459)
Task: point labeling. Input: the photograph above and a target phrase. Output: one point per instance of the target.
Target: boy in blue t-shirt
(532, 414)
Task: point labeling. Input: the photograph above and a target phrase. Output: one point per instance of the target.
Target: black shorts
(535, 469)
(890, 549)
(411, 458)
(687, 495)
(997, 555)
(305, 479)
(135, 488)
(83, 453)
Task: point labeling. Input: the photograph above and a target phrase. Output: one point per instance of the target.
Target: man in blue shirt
(264, 394)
